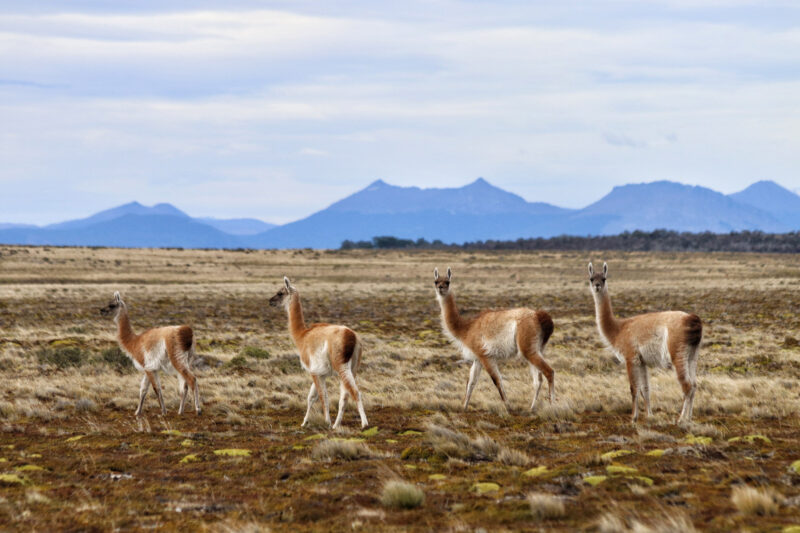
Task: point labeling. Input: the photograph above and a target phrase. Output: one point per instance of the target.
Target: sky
(275, 110)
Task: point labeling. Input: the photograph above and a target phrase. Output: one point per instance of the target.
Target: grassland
(73, 456)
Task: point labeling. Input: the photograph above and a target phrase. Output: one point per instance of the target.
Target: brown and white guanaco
(497, 334)
(324, 349)
(169, 348)
(650, 340)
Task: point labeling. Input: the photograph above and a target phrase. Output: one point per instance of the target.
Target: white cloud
(546, 100)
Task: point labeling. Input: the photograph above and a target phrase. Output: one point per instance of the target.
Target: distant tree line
(630, 241)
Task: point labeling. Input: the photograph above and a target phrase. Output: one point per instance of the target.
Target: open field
(73, 456)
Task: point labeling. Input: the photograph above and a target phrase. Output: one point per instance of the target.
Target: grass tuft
(544, 506)
(348, 450)
(457, 445)
(753, 501)
(510, 457)
(611, 523)
(85, 405)
(402, 495)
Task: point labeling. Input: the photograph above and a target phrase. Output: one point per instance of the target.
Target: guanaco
(660, 340)
(169, 348)
(324, 349)
(497, 334)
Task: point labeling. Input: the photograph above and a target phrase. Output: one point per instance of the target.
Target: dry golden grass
(545, 506)
(62, 379)
(330, 450)
(755, 501)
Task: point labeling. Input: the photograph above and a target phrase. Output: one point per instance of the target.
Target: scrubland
(73, 455)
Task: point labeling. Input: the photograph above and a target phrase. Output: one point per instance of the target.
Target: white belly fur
(654, 351)
(319, 362)
(156, 358)
(504, 343)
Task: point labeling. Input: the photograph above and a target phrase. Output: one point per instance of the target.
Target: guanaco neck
(451, 318)
(297, 323)
(125, 333)
(608, 325)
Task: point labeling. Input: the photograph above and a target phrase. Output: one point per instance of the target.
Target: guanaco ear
(591, 269)
(449, 274)
(605, 270)
(435, 274)
(117, 297)
(286, 282)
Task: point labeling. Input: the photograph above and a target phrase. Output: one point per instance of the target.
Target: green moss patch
(703, 441)
(620, 469)
(655, 453)
(485, 487)
(12, 479)
(608, 456)
(594, 480)
(29, 468)
(371, 432)
(751, 439)
(233, 452)
(535, 471)
(76, 438)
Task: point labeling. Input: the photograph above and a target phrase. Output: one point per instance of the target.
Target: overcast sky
(275, 110)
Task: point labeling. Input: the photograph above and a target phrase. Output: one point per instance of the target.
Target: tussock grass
(645, 435)
(85, 405)
(755, 501)
(704, 430)
(511, 457)
(559, 411)
(7, 410)
(401, 495)
(454, 444)
(667, 523)
(545, 506)
(329, 450)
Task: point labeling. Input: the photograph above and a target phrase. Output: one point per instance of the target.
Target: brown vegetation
(73, 456)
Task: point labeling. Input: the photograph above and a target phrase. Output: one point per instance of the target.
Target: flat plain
(74, 457)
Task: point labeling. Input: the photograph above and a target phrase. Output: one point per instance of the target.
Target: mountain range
(477, 211)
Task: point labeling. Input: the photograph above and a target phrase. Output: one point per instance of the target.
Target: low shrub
(117, 360)
(254, 352)
(62, 356)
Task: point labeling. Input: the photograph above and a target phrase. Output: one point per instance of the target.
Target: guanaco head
(282, 296)
(442, 284)
(114, 307)
(597, 281)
